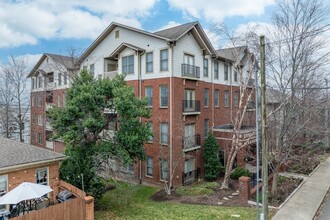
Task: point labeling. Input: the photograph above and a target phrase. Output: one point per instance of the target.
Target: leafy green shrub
(238, 172)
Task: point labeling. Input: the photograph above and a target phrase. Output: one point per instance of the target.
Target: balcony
(190, 177)
(190, 71)
(191, 107)
(191, 143)
(48, 106)
(48, 126)
(49, 85)
(50, 144)
(111, 74)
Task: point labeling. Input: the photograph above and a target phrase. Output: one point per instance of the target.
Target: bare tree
(295, 58)
(15, 92)
(244, 69)
(6, 97)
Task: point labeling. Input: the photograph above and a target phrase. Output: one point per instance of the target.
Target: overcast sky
(32, 27)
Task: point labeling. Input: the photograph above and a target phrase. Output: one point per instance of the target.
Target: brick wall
(29, 175)
(35, 111)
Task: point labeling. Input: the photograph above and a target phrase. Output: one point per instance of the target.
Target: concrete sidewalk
(304, 204)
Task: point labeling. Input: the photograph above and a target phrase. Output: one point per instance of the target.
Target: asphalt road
(325, 210)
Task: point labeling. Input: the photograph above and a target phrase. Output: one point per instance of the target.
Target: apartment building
(191, 88)
(50, 77)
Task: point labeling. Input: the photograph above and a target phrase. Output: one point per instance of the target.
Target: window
(39, 101)
(164, 133)
(99, 76)
(32, 82)
(39, 119)
(39, 138)
(63, 99)
(164, 60)
(206, 67)
(148, 94)
(150, 138)
(65, 78)
(226, 98)
(32, 137)
(42, 176)
(128, 64)
(59, 101)
(206, 127)
(149, 62)
(163, 169)
(149, 166)
(206, 97)
(3, 188)
(85, 68)
(116, 34)
(59, 79)
(235, 75)
(32, 101)
(216, 70)
(40, 82)
(236, 94)
(226, 72)
(189, 100)
(163, 90)
(91, 70)
(32, 118)
(189, 136)
(216, 98)
(189, 165)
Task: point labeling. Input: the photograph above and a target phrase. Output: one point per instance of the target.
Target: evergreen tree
(81, 122)
(212, 163)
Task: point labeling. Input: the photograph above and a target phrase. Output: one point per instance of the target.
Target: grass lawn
(133, 202)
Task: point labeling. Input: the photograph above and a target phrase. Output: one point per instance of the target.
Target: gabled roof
(122, 47)
(66, 61)
(14, 154)
(232, 53)
(177, 31)
(170, 35)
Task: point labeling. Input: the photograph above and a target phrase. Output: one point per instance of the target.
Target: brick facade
(28, 174)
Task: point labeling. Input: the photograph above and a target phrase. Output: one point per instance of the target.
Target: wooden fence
(69, 210)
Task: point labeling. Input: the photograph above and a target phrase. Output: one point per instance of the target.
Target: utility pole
(264, 214)
(257, 136)
(326, 118)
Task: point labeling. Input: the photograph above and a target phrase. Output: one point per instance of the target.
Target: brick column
(56, 190)
(89, 208)
(244, 188)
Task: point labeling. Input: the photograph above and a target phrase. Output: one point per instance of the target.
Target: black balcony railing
(191, 106)
(191, 142)
(190, 71)
(191, 176)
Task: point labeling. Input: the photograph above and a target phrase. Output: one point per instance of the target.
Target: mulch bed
(215, 199)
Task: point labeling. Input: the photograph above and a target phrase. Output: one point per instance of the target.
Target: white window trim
(41, 169)
(152, 167)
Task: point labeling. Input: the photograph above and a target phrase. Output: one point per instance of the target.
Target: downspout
(140, 96)
(171, 119)
(231, 93)
(212, 92)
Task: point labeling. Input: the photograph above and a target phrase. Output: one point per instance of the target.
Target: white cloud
(217, 10)
(25, 22)
(168, 25)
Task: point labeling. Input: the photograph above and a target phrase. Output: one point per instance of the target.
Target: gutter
(25, 165)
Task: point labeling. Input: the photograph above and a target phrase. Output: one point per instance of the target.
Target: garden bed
(203, 193)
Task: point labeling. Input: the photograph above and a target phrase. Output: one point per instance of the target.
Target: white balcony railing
(49, 85)
(48, 106)
(111, 74)
(48, 126)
